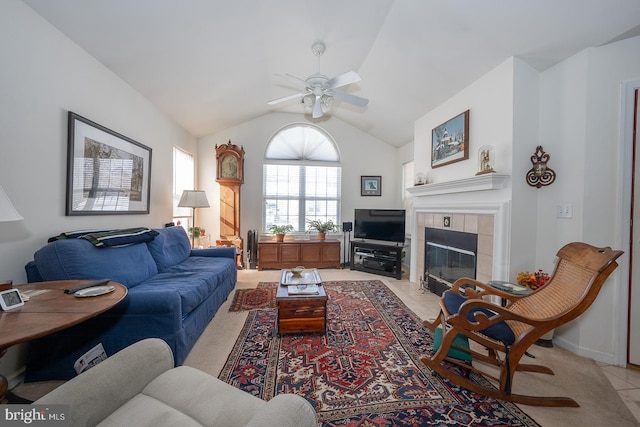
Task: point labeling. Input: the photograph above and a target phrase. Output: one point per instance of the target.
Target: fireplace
(479, 205)
(449, 255)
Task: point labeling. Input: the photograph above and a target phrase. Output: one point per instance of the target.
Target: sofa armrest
(286, 410)
(218, 251)
(98, 392)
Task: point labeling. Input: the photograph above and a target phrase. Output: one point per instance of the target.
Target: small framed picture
(370, 185)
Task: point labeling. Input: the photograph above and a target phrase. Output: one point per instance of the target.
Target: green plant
(281, 229)
(196, 231)
(320, 226)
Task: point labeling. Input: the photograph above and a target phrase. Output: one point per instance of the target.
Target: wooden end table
(50, 312)
(301, 313)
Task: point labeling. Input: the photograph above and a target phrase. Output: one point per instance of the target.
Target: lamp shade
(7, 211)
(193, 199)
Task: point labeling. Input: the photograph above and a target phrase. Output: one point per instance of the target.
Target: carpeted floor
(364, 371)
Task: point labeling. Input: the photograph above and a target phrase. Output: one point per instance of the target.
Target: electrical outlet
(564, 210)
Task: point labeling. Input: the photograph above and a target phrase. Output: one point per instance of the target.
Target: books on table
(303, 289)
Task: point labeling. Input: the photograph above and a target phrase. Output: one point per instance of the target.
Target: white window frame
(296, 199)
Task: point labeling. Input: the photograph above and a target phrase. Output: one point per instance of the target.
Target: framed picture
(450, 141)
(370, 186)
(107, 173)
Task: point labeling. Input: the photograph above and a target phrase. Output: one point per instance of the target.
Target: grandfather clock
(230, 176)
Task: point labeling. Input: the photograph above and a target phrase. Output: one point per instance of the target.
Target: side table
(49, 312)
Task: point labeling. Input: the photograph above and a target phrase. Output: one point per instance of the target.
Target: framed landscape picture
(107, 173)
(370, 185)
(450, 141)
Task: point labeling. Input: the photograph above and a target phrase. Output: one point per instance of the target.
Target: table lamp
(7, 211)
(193, 199)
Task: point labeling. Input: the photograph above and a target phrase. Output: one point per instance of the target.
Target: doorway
(633, 338)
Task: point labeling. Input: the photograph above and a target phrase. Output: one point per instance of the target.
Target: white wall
(44, 75)
(573, 111)
(490, 102)
(361, 154)
(581, 110)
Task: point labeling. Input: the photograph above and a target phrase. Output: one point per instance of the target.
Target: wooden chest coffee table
(302, 312)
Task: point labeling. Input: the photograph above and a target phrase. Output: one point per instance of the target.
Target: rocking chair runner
(507, 332)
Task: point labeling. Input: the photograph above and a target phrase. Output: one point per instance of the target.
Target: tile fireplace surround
(478, 205)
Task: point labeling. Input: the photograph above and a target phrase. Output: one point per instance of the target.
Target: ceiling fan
(320, 90)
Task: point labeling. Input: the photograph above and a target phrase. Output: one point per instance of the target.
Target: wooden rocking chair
(505, 333)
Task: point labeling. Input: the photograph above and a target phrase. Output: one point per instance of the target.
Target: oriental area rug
(365, 371)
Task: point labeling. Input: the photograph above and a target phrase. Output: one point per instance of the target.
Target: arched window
(301, 177)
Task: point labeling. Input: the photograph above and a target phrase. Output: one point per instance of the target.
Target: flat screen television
(380, 224)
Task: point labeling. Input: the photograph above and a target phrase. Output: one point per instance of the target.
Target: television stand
(377, 258)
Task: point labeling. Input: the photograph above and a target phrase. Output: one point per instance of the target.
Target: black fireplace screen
(449, 255)
(450, 264)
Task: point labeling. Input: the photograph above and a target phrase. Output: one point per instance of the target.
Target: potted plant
(196, 232)
(533, 280)
(280, 231)
(322, 227)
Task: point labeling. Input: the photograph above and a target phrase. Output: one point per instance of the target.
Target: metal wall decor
(540, 174)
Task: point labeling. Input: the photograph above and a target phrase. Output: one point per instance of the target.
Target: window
(302, 177)
(183, 179)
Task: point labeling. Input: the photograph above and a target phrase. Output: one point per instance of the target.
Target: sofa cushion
(77, 259)
(170, 247)
(190, 283)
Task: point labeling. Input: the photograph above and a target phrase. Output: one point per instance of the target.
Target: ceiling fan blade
(293, 78)
(317, 108)
(343, 80)
(351, 99)
(286, 98)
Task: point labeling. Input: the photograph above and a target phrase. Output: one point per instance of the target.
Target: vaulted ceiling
(212, 64)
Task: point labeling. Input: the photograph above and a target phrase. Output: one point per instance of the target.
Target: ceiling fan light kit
(320, 94)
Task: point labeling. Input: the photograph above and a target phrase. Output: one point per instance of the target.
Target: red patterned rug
(264, 296)
(365, 371)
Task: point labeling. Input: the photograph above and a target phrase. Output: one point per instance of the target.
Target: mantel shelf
(490, 181)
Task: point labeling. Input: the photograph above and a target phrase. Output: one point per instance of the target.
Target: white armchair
(139, 386)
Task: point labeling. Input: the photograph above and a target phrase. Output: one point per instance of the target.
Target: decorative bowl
(297, 270)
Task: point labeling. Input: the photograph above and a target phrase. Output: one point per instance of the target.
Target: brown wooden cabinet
(308, 253)
(301, 313)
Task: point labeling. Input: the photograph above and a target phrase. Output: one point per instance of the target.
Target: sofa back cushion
(170, 247)
(77, 259)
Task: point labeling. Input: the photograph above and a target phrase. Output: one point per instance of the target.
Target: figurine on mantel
(486, 160)
(420, 179)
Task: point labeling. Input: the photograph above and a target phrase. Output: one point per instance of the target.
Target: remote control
(87, 285)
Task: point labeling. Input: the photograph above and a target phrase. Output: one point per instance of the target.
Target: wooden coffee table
(50, 312)
(301, 313)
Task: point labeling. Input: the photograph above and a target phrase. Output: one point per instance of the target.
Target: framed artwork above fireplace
(450, 141)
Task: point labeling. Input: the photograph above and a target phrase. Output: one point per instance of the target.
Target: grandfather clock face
(230, 176)
(229, 167)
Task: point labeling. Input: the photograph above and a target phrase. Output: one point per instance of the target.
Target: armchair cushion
(500, 331)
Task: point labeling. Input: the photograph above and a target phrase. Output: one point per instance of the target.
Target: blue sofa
(173, 293)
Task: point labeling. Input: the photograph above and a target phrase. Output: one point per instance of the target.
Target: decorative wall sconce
(540, 174)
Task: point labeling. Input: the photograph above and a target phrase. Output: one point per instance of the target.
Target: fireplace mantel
(490, 181)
